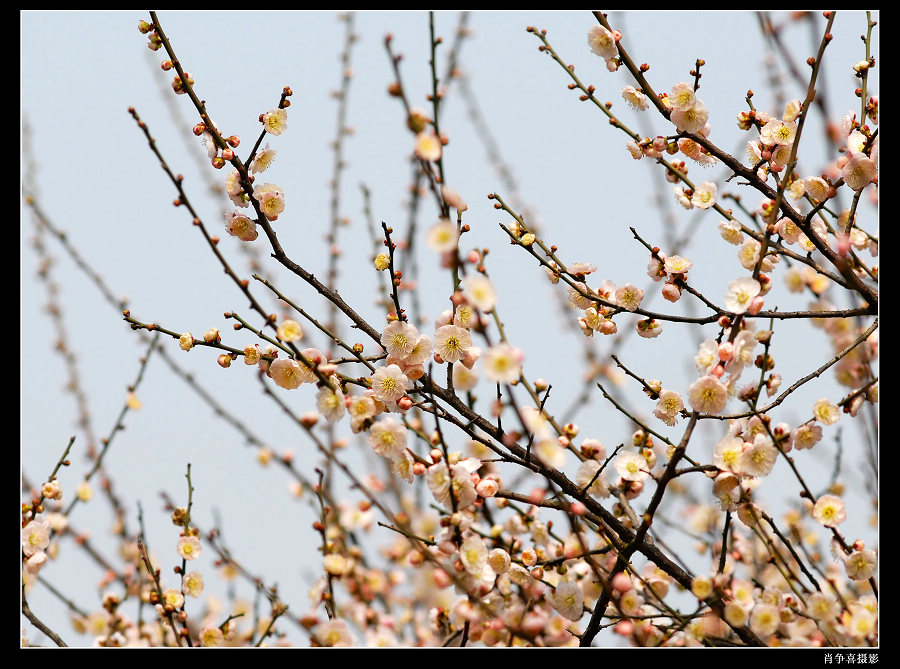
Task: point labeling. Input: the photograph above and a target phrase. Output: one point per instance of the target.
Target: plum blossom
(741, 293)
(502, 363)
(817, 188)
(189, 547)
(568, 600)
(826, 412)
(806, 436)
(859, 171)
(334, 633)
(635, 98)
(399, 339)
(473, 553)
(235, 190)
(602, 42)
(829, 510)
(428, 146)
(271, 200)
(275, 121)
(669, 406)
(691, 120)
(456, 480)
(389, 383)
(479, 292)
(289, 331)
(35, 536)
(330, 401)
(361, 408)
(631, 466)
(629, 296)
(682, 198)
(499, 561)
(285, 373)
(387, 437)
(648, 328)
(704, 195)
(587, 471)
(452, 342)
(682, 97)
(678, 266)
(402, 467)
(708, 395)
(464, 379)
(263, 160)
(241, 226)
(443, 236)
(860, 564)
(759, 458)
(777, 132)
(211, 637)
(731, 232)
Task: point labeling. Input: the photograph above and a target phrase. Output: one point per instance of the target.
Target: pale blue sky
(98, 180)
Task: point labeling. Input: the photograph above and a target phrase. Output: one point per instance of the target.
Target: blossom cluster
(499, 523)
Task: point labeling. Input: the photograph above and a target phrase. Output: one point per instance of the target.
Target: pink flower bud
(671, 292)
(405, 403)
(622, 582)
(608, 327)
(624, 628)
(635, 488)
(726, 351)
(533, 624)
(487, 487)
(441, 578)
(756, 305)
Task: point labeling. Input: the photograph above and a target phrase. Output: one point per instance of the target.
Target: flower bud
(487, 487)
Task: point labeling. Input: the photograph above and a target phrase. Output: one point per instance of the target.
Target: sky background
(97, 179)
